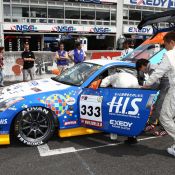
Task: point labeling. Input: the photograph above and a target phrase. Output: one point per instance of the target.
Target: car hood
(31, 87)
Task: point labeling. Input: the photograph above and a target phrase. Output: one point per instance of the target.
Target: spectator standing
(126, 50)
(62, 59)
(1, 66)
(78, 55)
(29, 59)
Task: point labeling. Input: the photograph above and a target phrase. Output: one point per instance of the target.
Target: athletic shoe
(171, 150)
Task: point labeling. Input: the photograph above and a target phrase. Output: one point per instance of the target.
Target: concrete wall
(44, 63)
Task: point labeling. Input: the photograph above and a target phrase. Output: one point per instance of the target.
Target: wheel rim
(34, 125)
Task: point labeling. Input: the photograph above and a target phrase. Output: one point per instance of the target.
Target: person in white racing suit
(167, 66)
(144, 70)
(117, 78)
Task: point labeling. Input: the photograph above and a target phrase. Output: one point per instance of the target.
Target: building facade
(97, 23)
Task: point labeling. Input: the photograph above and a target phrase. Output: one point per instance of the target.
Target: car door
(123, 111)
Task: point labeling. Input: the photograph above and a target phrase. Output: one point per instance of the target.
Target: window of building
(71, 13)
(87, 14)
(25, 11)
(7, 10)
(113, 15)
(134, 15)
(125, 14)
(36, 12)
(17, 11)
(146, 13)
(103, 15)
(56, 13)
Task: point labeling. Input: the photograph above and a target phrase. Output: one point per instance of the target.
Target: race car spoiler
(157, 18)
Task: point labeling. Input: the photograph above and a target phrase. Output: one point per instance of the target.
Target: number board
(91, 110)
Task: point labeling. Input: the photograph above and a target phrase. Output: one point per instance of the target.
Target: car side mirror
(95, 84)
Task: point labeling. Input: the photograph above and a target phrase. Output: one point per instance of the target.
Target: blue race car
(34, 110)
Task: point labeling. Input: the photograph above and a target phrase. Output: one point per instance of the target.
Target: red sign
(106, 55)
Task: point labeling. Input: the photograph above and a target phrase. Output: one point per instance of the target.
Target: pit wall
(44, 63)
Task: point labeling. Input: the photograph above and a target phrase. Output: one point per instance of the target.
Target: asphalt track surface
(89, 155)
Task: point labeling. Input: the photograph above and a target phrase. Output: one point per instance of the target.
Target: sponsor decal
(33, 83)
(91, 123)
(153, 3)
(36, 89)
(100, 30)
(84, 97)
(127, 106)
(121, 124)
(24, 28)
(70, 101)
(29, 143)
(12, 108)
(3, 121)
(70, 123)
(44, 110)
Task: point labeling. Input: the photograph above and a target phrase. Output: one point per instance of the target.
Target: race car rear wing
(160, 17)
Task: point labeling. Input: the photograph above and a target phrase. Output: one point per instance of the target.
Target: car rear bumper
(4, 139)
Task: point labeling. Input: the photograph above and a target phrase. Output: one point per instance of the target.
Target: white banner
(152, 3)
(58, 28)
(135, 30)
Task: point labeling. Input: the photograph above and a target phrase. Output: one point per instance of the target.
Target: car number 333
(91, 108)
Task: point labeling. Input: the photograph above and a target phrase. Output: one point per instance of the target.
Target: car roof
(108, 62)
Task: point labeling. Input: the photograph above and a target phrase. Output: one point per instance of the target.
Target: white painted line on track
(44, 150)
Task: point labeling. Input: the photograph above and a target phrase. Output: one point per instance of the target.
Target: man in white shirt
(126, 50)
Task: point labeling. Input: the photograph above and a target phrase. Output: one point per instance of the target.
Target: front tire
(34, 126)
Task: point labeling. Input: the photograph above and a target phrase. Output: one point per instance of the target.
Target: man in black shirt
(28, 58)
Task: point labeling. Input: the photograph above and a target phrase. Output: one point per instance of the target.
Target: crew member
(126, 50)
(62, 58)
(118, 79)
(29, 59)
(167, 66)
(143, 66)
(78, 55)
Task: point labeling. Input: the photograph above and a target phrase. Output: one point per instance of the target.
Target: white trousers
(167, 115)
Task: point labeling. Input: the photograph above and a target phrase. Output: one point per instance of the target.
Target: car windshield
(77, 74)
(143, 51)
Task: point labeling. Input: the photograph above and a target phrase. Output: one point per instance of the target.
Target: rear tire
(34, 126)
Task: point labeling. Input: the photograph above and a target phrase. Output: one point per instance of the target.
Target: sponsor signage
(100, 30)
(59, 29)
(135, 30)
(119, 106)
(152, 3)
(26, 28)
(121, 124)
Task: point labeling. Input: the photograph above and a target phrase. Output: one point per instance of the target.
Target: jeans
(27, 72)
